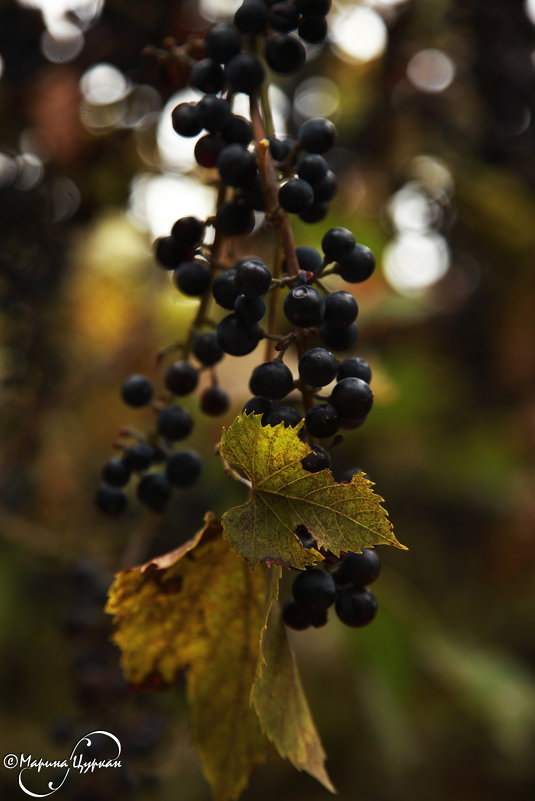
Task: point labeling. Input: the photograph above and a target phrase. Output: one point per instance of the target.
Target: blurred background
(433, 101)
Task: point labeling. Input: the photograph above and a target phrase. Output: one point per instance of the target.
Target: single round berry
(253, 277)
(251, 17)
(280, 150)
(314, 589)
(319, 459)
(250, 310)
(315, 213)
(359, 569)
(169, 253)
(287, 415)
(235, 218)
(339, 338)
(183, 468)
(326, 190)
(309, 259)
(136, 390)
(236, 337)
(312, 29)
(192, 278)
(207, 76)
(237, 131)
(244, 73)
(181, 378)
(352, 397)
(312, 168)
(341, 309)
(258, 405)
(271, 380)
(357, 266)
(322, 420)
(206, 348)
(110, 500)
(207, 150)
(317, 136)
(296, 196)
(253, 195)
(356, 608)
(295, 616)
(214, 401)
(224, 289)
(154, 491)
(214, 113)
(139, 456)
(304, 306)
(185, 119)
(283, 16)
(355, 367)
(337, 243)
(318, 367)
(187, 231)
(174, 423)
(237, 167)
(222, 42)
(116, 472)
(285, 53)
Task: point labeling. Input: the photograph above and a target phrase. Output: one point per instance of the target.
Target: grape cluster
(345, 585)
(255, 171)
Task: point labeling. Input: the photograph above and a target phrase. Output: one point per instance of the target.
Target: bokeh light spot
(103, 85)
(358, 34)
(415, 261)
(431, 71)
(316, 97)
(63, 43)
(157, 201)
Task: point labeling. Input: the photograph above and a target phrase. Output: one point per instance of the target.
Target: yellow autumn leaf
(281, 705)
(286, 499)
(200, 607)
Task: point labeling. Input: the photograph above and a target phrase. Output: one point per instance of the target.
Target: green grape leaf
(288, 723)
(203, 608)
(287, 500)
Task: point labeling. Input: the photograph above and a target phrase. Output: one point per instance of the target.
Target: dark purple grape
(314, 589)
(136, 390)
(183, 468)
(352, 397)
(214, 401)
(359, 569)
(322, 421)
(181, 378)
(110, 501)
(356, 266)
(116, 472)
(272, 380)
(154, 491)
(304, 306)
(244, 73)
(318, 367)
(355, 608)
(355, 367)
(317, 136)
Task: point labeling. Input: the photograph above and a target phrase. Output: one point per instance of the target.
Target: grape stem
(234, 474)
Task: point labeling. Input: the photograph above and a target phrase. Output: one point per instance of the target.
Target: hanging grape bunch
(297, 516)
